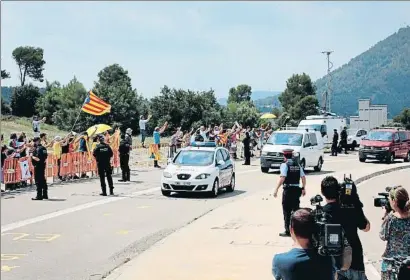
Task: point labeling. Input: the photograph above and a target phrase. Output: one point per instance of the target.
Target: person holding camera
(302, 261)
(395, 229)
(351, 219)
(290, 175)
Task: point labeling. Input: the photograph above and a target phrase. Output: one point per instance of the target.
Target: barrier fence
(17, 170)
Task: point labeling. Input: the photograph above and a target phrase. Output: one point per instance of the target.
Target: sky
(195, 45)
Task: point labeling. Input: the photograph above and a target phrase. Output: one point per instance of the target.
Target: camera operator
(351, 219)
(396, 229)
(302, 261)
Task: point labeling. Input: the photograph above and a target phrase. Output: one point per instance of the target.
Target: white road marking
(59, 213)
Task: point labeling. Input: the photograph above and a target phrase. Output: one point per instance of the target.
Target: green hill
(382, 74)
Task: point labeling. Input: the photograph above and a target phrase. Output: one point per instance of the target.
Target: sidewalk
(234, 242)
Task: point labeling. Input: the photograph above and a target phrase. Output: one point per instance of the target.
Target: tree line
(61, 104)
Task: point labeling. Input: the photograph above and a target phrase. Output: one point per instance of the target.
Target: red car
(385, 144)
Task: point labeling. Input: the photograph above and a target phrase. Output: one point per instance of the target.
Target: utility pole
(327, 94)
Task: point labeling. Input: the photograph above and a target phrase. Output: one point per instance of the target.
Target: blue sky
(196, 45)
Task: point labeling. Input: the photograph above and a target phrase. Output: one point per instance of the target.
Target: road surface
(79, 235)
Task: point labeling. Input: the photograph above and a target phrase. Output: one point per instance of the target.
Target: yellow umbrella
(268, 116)
(97, 129)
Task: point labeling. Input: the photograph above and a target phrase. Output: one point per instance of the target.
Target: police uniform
(39, 171)
(103, 154)
(128, 136)
(124, 150)
(292, 191)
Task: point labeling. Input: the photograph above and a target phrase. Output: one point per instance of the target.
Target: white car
(308, 144)
(202, 167)
(354, 136)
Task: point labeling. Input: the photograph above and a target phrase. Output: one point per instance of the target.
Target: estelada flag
(95, 106)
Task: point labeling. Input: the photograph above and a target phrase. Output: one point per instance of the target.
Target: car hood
(373, 143)
(176, 169)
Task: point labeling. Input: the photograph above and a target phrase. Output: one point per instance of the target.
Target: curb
(378, 173)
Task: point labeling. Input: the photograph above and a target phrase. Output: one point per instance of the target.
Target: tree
(404, 118)
(305, 107)
(114, 87)
(30, 62)
(297, 87)
(23, 100)
(4, 74)
(240, 93)
(5, 108)
(245, 113)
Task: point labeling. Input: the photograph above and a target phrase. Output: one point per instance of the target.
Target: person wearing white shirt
(36, 125)
(142, 124)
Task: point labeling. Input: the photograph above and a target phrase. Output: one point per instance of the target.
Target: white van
(325, 125)
(309, 145)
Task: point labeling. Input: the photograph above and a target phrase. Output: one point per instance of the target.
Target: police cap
(36, 139)
(287, 151)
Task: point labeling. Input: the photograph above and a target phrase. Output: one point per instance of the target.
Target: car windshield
(291, 139)
(194, 158)
(380, 136)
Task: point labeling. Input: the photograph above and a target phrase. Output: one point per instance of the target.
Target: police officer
(343, 139)
(124, 150)
(290, 175)
(39, 158)
(103, 154)
(334, 142)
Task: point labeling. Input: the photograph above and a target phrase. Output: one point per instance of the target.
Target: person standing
(128, 136)
(124, 150)
(290, 175)
(103, 154)
(39, 158)
(36, 125)
(343, 139)
(334, 142)
(247, 148)
(157, 139)
(143, 127)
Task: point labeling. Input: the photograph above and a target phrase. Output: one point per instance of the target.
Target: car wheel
(303, 164)
(362, 159)
(215, 189)
(390, 158)
(354, 145)
(265, 169)
(231, 186)
(166, 193)
(318, 167)
(407, 159)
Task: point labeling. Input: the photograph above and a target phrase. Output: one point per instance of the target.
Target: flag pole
(76, 120)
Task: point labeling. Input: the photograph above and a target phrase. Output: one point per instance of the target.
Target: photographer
(351, 219)
(302, 261)
(396, 229)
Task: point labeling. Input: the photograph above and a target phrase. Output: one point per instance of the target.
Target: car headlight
(385, 148)
(361, 146)
(202, 176)
(167, 175)
(264, 153)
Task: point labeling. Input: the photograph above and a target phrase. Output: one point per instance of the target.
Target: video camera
(348, 196)
(383, 201)
(328, 239)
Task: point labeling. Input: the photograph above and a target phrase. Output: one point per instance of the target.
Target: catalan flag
(94, 105)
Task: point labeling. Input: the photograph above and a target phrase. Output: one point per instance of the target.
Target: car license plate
(183, 183)
(371, 156)
(275, 165)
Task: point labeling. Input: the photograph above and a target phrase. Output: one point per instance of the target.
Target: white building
(370, 116)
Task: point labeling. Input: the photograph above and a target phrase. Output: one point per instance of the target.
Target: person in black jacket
(247, 148)
(39, 158)
(343, 139)
(334, 142)
(103, 154)
(124, 150)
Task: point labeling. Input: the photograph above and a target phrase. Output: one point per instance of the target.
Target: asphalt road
(79, 235)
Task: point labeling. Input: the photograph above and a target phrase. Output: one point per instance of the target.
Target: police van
(307, 144)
